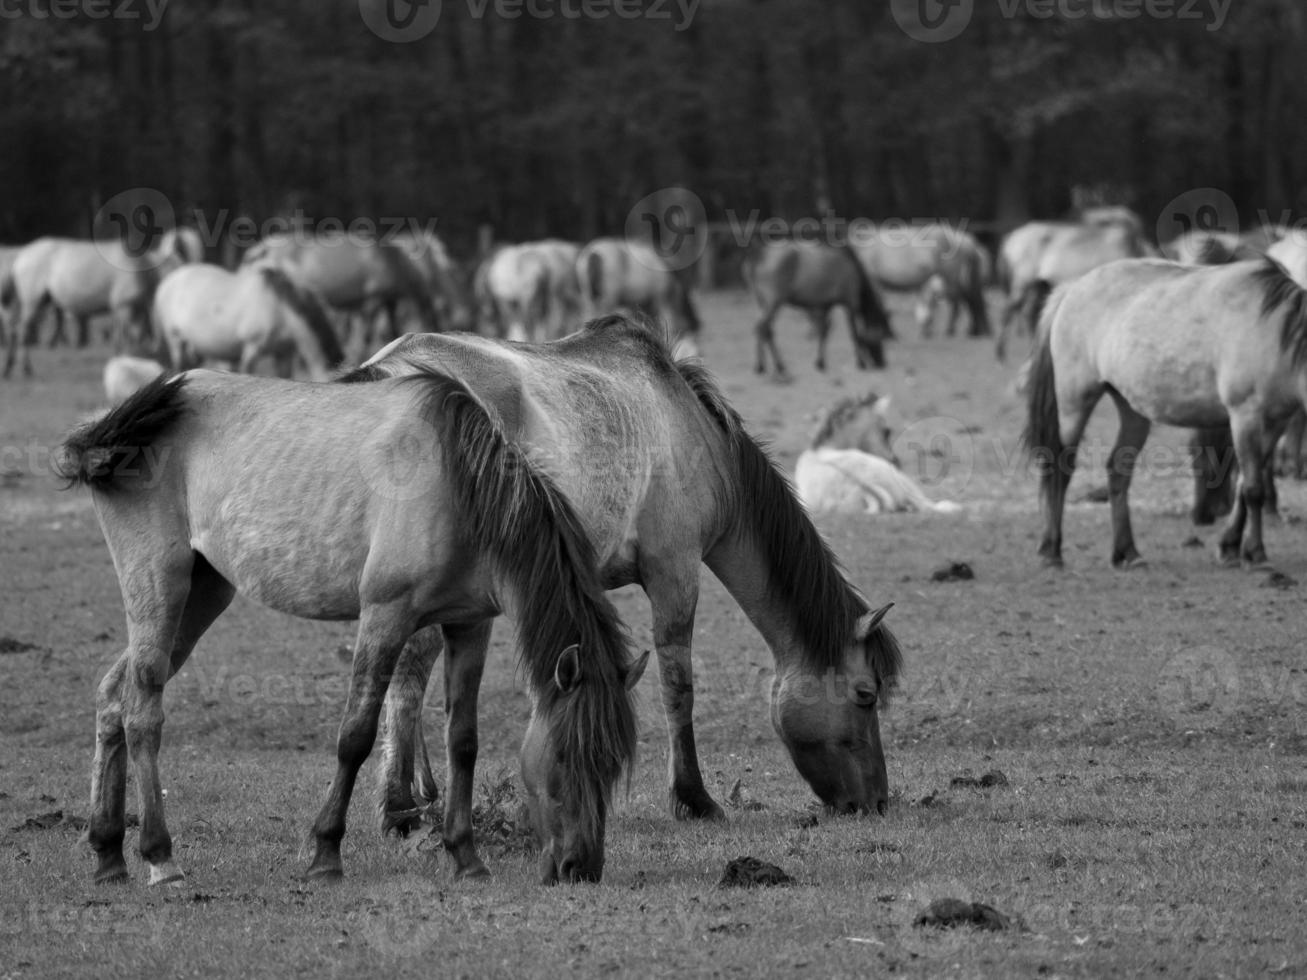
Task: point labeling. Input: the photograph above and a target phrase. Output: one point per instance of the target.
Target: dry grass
(1150, 726)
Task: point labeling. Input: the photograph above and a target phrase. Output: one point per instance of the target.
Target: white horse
(125, 375)
(850, 467)
(614, 273)
(83, 279)
(532, 287)
(204, 312)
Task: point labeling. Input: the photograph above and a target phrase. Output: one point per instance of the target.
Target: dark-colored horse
(816, 277)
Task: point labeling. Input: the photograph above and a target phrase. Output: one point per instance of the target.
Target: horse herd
(548, 473)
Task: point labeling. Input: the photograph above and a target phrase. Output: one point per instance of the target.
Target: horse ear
(635, 671)
(868, 621)
(567, 674)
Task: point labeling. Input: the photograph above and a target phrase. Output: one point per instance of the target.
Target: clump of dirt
(9, 645)
(949, 913)
(749, 872)
(1278, 580)
(994, 777)
(958, 571)
(48, 821)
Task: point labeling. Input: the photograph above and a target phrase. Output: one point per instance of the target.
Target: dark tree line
(558, 126)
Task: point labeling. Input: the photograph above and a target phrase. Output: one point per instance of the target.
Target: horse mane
(838, 415)
(97, 454)
(516, 514)
(1282, 294)
(309, 308)
(803, 575)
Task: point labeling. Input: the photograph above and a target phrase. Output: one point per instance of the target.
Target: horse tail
(8, 289)
(102, 454)
(309, 308)
(869, 303)
(1043, 434)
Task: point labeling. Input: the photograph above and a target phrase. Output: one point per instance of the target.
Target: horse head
(830, 722)
(567, 800)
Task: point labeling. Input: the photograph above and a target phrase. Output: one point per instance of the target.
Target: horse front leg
(403, 735)
(382, 633)
(1242, 540)
(821, 330)
(674, 596)
(464, 664)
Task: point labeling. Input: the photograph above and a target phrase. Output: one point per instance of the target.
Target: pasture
(1150, 725)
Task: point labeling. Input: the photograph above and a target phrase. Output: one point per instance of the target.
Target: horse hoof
(705, 808)
(1052, 561)
(326, 875)
(1129, 564)
(1229, 560)
(166, 874)
(473, 872)
(118, 876)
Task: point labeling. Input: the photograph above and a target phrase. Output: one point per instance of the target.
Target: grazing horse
(211, 484)
(850, 465)
(1193, 346)
(124, 376)
(664, 477)
(531, 287)
(950, 260)
(350, 273)
(1042, 254)
(816, 277)
(203, 312)
(614, 273)
(430, 257)
(83, 278)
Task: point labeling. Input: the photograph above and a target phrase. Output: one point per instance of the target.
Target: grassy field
(1150, 726)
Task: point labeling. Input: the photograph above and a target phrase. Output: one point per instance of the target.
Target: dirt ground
(1150, 725)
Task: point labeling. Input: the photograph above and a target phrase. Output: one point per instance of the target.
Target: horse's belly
(1181, 392)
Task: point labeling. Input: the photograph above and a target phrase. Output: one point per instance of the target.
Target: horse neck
(741, 567)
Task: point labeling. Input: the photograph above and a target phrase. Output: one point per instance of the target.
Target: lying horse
(815, 278)
(1193, 346)
(850, 465)
(614, 273)
(204, 484)
(663, 477)
(203, 312)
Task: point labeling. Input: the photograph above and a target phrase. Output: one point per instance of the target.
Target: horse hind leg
(170, 608)
(1056, 473)
(765, 338)
(1120, 470)
(821, 330)
(383, 631)
(405, 767)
